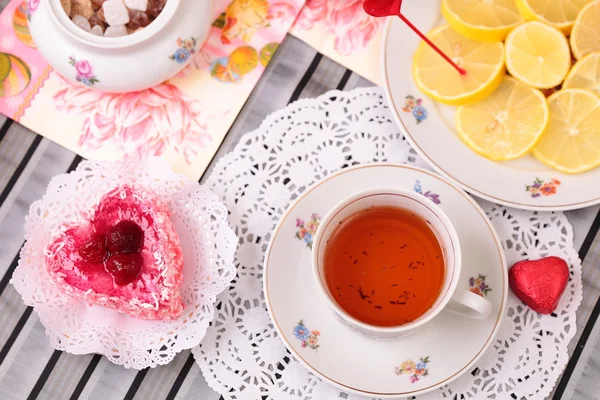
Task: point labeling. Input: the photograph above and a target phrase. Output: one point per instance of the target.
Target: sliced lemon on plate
(488, 21)
(559, 13)
(538, 55)
(571, 143)
(506, 125)
(585, 74)
(585, 37)
(483, 61)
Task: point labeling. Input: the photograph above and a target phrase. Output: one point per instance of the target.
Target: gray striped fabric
(30, 368)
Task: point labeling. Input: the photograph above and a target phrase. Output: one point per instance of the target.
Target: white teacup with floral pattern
(461, 301)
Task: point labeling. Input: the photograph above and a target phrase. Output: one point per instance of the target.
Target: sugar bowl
(119, 45)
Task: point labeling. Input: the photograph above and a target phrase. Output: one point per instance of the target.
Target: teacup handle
(470, 305)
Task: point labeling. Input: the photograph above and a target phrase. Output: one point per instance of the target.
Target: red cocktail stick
(386, 8)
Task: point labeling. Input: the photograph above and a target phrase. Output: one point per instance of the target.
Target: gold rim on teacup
(460, 301)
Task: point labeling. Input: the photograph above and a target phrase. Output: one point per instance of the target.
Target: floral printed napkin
(184, 119)
(344, 32)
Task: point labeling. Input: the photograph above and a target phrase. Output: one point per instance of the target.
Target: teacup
(460, 301)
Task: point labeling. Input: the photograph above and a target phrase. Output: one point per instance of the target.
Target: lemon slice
(506, 125)
(483, 61)
(538, 55)
(585, 37)
(488, 21)
(571, 143)
(559, 13)
(585, 74)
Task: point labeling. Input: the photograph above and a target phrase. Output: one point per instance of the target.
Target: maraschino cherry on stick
(387, 8)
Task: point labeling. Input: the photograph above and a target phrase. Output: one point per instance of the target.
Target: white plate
(434, 137)
(354, 363)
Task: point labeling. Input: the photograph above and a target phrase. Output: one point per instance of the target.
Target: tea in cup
(388, 261)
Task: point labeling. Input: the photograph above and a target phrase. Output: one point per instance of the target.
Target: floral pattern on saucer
(415, 107)
(306, 231)
(540, 187)
(430, 195)
(308, 338)
(479, 286)
(415, 371)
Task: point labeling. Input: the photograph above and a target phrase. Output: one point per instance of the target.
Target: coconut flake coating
(155, 293)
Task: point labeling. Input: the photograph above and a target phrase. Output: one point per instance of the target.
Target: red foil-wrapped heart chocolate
(540, 283)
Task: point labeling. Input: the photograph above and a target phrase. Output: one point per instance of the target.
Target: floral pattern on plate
(540, 187)
(479, 286)
(306, 231)
(415, 107)
(430, 195)
(414, 370)
(308, 338)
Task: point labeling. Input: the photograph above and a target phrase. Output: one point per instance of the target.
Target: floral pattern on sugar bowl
(414, 370)
(84, 72)
(186, 48)
(114, 64)
(306, 231)
(308, 338)
(32, 5)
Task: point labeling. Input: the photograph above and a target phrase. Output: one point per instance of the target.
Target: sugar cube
(66, 5)
(82, 22)
(140, 5)
(115, 12)
(82, 7)
(97, 30)
(115, 31)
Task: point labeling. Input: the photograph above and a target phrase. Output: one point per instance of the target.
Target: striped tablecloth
(31, 369)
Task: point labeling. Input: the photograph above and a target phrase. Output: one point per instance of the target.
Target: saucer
(430, 127)
(436, 354)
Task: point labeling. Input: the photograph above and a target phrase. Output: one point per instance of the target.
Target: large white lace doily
(241, 356)
(208, 245)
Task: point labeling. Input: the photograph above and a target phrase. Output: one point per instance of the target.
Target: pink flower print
(313, 12)
(345, 19)
(84, 69)
(299, 223)
(282, 12)
(304, 344)
(84, 72)
(413, 378)
(32, 5)
(143, 123)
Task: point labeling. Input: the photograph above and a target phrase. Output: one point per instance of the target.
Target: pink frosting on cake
(155, 293)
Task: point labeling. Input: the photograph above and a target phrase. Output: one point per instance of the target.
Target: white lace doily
(241, 356)
(208, 245)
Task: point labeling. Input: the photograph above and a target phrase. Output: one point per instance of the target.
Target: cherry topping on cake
(94, 250)
(124, 237)
(124, 267)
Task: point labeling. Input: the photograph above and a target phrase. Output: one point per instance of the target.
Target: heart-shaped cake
(127, 257)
